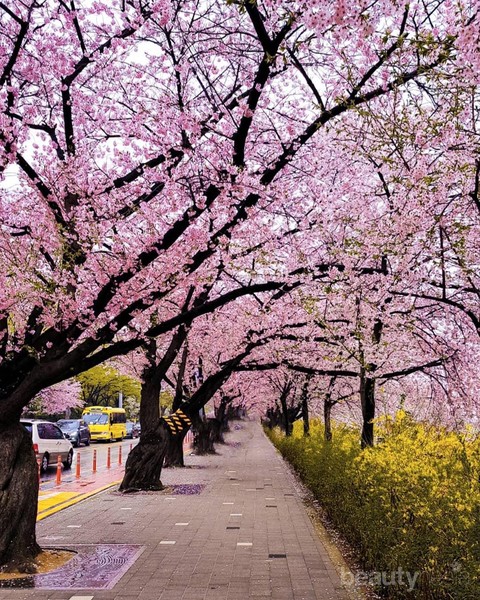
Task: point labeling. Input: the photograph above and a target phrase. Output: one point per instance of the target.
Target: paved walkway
(245, 535)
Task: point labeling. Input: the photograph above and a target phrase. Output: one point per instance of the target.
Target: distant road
(86, 459)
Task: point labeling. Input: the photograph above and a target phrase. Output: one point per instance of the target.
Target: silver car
(49, 443)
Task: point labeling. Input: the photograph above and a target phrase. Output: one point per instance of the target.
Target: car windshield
(96, 419)
(68, 425)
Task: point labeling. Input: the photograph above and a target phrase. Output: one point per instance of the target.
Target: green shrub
(412, 502)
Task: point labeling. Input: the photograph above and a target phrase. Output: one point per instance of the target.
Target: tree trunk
(203, 437)
(367, 389)
(367, 396)
(305, 417)
(18, 498)
(216, 427)
(287, 425)
(174, 456)
(221, 413)
(150, 392)
(327, 415)
(144, 464)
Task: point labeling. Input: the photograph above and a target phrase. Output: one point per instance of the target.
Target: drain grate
(118, 523)
(277, 556)
(93, 567)
(270, 506)
(233, 527)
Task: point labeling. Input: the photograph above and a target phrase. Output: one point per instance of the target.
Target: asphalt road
(86, 457)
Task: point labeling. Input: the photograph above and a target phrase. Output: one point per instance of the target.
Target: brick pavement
(246, 535)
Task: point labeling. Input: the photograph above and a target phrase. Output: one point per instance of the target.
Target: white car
(49, 443)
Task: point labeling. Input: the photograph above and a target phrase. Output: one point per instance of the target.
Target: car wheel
(87, 441)
(68, 463)
(76, 443)
(44, 464)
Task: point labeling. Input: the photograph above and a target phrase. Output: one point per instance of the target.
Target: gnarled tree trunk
(174, 456)
(145, 462)
(18, 498)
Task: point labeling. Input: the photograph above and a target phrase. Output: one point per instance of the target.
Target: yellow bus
(105, 423)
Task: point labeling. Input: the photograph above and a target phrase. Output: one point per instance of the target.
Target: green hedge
(409, 505)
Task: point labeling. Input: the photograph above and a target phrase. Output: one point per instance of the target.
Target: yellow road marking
(51, 503)
(51, 500)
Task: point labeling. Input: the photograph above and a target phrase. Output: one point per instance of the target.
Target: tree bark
(144, 464)
(367, 396)
(18, 498)
(305, 417)
(174, 456)
(216, 427)
(327, 416)
(203, 439)
(150, 399)
(148, 455)
(287, 425)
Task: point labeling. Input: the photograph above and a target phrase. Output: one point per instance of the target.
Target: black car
(133, 430)
(75, 430)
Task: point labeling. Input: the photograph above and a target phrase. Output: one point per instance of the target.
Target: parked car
(75, 430)
(49, 443)
(133, 430)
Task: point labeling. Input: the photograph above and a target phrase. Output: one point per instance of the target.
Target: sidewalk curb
(340, 564)
(76, 500)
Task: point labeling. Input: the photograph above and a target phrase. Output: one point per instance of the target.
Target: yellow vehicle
(105, 423)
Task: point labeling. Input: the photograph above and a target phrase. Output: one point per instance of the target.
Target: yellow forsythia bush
(409, 505)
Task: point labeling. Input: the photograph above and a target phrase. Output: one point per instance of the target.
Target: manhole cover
(93, 567)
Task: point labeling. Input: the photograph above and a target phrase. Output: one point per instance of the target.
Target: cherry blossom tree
(154, 142)
(58, 398)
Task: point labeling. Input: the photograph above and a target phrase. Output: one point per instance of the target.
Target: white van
(49, 442)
